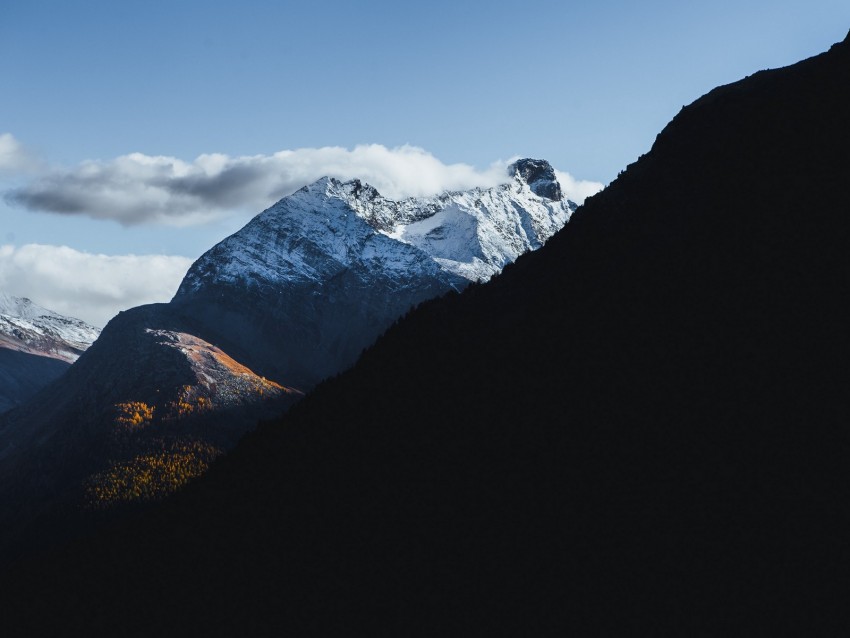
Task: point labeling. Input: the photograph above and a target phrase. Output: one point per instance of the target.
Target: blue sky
(467, 84)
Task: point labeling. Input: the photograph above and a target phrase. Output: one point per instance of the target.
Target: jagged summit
(335, 262)
(539, 175)
(313, 235)
(330, 226)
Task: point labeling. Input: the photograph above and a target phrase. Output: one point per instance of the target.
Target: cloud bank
(137, 188)
(85, 285)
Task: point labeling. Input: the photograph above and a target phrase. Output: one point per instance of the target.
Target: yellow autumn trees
(149, 477)
(133, 415)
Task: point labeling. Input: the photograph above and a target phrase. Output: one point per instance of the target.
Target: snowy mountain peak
(27, 327)
(331, 226)
(331, 187)
(539, 175)
(21, 307)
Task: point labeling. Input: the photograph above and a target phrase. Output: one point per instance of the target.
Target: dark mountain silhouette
(642, 428)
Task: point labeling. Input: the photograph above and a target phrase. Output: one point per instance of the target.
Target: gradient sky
(468, 84)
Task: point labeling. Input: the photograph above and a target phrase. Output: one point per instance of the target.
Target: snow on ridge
(472, 234)
(330, 225)
(40, 329)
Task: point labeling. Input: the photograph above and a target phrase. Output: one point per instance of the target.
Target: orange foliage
(149, 477)
(133, 415)
(188, 403)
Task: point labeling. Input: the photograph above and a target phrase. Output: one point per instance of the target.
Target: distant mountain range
(639, 429)
(287, 301)
(36, 346)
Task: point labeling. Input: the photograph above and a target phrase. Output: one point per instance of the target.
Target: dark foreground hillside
(642, 427)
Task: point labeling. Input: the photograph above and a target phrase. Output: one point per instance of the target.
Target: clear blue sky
(586, 85)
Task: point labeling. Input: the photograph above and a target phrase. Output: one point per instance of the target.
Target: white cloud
(14, 157)
(576, 189)
(85, 285)
(138, 188)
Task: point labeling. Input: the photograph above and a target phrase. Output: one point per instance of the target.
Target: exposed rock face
(540, 176)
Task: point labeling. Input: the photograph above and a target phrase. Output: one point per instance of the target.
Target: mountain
(640, 428)
(36, 346)
(288, 300)
(307, 284)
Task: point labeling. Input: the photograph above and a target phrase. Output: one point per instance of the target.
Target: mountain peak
(539, 175)
(354, 189)
(332, 187)
(321, 185)
(11, 305)
(26, 326)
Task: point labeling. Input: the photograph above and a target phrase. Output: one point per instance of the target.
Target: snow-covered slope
(331, 226)
(36, 346)
(28, 327)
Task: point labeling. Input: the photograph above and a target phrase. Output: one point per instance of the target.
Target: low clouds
(137, 188)
(576, 189)
(85, 285)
